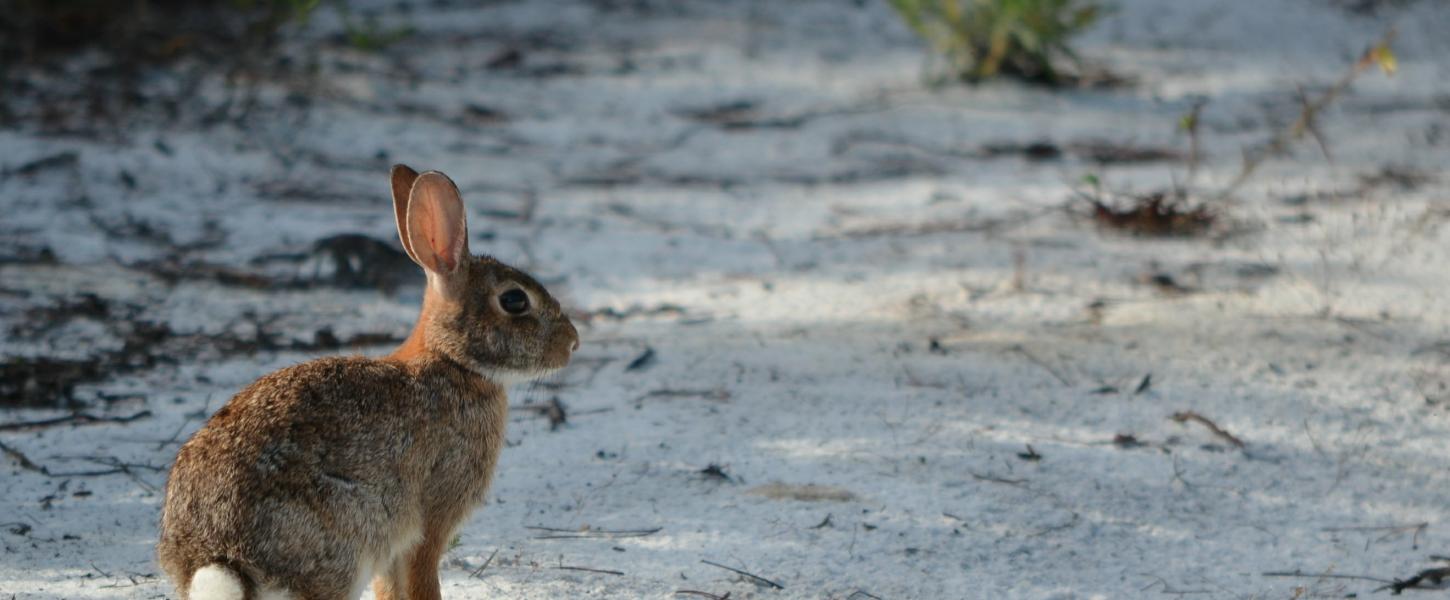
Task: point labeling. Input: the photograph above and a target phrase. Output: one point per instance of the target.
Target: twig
(753, 576)
(1312, 126)
(1054, 528)
(98, 570)
(702, 594)
(1188, 415)
(1178, 473)
(486, 563)
(1167, 588)
(715, 471)
(589, 569)
(578, 534)
(1298, 573)
(645, 359)
(1390, 531)
(1432, 576)
(1144, 384)
(1311, 109)
(20, 457)
(176, 435)
(995, 479)
(119, 467)
(112, 461)
(60, 159)
(1041, 363)
(715, 395)
(131, 577)
(561, 565)
(77, 418)
(1393, 528)
(863, 594)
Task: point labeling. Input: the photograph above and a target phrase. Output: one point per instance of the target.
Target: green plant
(367, 33)
(981, 39)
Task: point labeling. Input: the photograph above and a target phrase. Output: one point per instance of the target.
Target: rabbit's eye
(514, 301)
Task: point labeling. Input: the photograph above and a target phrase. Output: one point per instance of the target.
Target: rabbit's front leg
(391, 583)
(414, 574)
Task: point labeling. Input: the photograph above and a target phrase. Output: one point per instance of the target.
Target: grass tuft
(982, 39)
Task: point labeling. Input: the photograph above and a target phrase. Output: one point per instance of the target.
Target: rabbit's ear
(437, 226)
(403, 178)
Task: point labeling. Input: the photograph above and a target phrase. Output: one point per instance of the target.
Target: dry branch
(702, 594)
(752, 576)
(996, 479)
(554, 533)
(1428, 579)
(117, 467)
(713, 395)
(590, 570)
(1389, 531)
(486, 563)
(1301, 574)
(1377, 55)
(22, 459)
(1041, 363)
(1188, 415)
(77, 418)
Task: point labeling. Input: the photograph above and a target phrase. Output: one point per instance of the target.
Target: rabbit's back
(328, 466)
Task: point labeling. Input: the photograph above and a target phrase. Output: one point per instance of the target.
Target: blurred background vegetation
(981, 39)
(125, 40)
(122, 41)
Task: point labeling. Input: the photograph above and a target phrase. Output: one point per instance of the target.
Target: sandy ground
(794, 264)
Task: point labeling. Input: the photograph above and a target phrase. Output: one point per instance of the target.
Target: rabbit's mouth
(527, 364)
(508, 377)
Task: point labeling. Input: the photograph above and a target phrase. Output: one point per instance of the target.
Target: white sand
(1314, 331)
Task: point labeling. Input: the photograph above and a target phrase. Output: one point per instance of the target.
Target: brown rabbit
(320, 476)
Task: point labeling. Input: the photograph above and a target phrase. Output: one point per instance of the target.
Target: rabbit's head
(477, 311)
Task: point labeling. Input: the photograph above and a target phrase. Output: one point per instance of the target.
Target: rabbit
(321, 476)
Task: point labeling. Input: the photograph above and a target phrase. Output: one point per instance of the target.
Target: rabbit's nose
(574, 332)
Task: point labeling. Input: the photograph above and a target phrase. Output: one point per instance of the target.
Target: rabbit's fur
(318, 476)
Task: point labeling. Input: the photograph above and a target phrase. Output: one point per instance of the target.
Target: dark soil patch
(349, 260)
(46, 381)
(27, 255)
(360, 261)
(1402, 178)
(153, 54)
(1095, 151)
(1156, 214)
